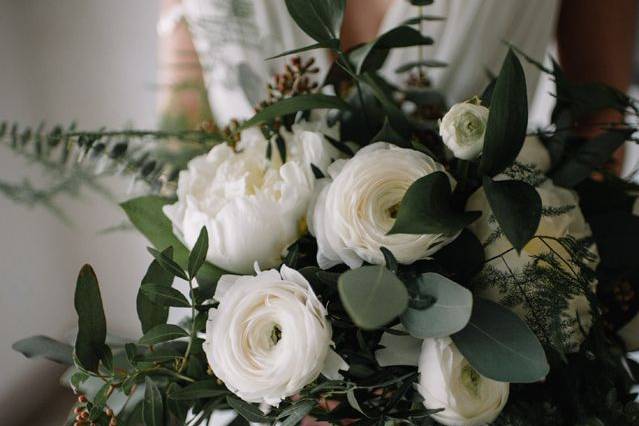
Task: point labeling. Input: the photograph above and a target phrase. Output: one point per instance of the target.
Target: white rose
(351, 215)
(268, 337)
(463, 129)
(252, 206)
(518, 280)
(448, 381)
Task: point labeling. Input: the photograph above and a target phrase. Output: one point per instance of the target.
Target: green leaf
(198, 390)
(198, 254)
(293, 105)
(162, 333)
(417, 19)
(164, 296)
(249, 411)
(153, 408)
(328, 44)
(382, 93)
(500, 346)
(320, 19)
(447, 315)
(388, 134)
(426, 208)
(590, 155)
(149, 313)
(517, 208)
(389, 258)
(429, 63)
(371, 56)
(168, 264)
(295, 413)
(508, 118)
(45, 347)
(462, 258)
(145, 213)
(91, 320)
(372, 296)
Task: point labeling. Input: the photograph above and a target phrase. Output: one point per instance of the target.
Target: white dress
(234, 37)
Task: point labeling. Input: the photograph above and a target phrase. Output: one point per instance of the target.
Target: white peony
(448, 381)
(253, 206)
(463, 129)
(352, 214)
(268, 337)
(561, 218)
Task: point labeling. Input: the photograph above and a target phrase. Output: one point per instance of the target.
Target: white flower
(448, 381)
(561, 218)
(252, 206)
(351, 215)
(463, 129)
(268, 337)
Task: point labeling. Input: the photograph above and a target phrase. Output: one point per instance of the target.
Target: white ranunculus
(268, 337)
(352, 214)
(463, 129)
(504, 278)
(252, 206)
(448, 381)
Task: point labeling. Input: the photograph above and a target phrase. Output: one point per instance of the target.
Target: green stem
(185, 360)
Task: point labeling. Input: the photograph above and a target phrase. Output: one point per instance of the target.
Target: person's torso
(234, 37)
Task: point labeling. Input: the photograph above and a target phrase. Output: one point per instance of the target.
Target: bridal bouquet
(360, 253)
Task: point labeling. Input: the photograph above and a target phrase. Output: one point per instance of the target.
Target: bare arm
(596, 43)
(182, 100)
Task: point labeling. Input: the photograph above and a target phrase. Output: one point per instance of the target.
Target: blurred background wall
(92, 61)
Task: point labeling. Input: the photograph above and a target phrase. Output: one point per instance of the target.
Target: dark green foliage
(508, 118)
(516, 206)
(426, 209)
(150, 313)
(90, 341)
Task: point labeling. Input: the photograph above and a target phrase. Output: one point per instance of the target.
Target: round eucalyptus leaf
(500, 346)
(372, 296)
(447, 315)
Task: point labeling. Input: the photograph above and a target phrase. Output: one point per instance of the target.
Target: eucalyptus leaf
(507, 120)
(153, 406)
(293, 105)
(45, 347)
(499, 345)
(91, 320)
(372, 296)
(294, 414)
(328, 44)
(426, 208)
(149, 313)
(249, 411)
(371, 56)
(198, 254)
(320, 19)
(164, 296)
(417, 19)
(162, 333)
(145, 213)
(447, 315)
(199, 390)
(517, 208)
(168, 264)
(428, 63)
